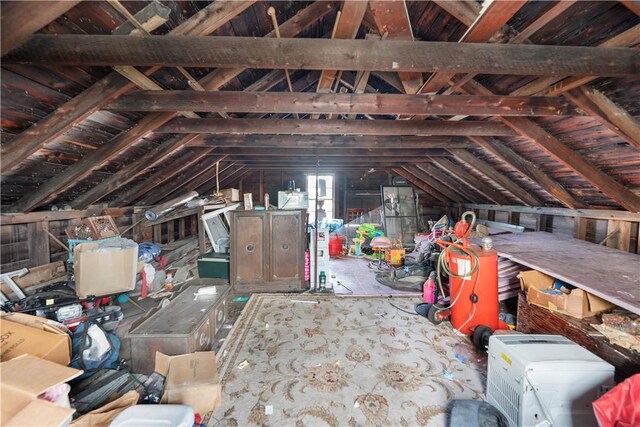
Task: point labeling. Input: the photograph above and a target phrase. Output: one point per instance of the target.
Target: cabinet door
(286, 247)
(248, 249)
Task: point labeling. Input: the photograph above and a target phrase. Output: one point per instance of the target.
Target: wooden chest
(186, 325)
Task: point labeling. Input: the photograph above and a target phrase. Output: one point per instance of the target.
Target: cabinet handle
(250, 247)
(285, 246)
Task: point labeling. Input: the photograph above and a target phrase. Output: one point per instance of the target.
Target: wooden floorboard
(355, 274)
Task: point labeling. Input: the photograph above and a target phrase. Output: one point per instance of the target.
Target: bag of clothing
(93, 348)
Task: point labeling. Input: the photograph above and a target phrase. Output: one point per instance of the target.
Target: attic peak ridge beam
(300, 102)
(316, 54)
(335, 127)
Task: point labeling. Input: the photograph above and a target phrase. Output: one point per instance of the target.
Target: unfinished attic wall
(25, 240)
(615, 229)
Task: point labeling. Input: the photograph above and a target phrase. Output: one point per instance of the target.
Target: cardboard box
(22, 380)
(191, 379)
(105, 267)
(578, 303)
(232, 194)
(25, 334)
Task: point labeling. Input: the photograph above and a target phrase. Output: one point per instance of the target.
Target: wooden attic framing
(509, 103)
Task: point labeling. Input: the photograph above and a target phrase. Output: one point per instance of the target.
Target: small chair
(379, 244)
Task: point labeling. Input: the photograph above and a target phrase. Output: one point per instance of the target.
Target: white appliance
(293, 200)
(544, 380)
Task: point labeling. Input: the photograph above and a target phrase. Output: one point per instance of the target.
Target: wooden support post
(514, 218)
(157, 234)
(261, 187)
(202, 242)
(580, 228)
(620, 232)
(194, 225)
(171, 231)
(38, 241)
(181, 228)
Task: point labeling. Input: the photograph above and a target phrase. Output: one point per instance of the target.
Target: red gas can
(474, 298)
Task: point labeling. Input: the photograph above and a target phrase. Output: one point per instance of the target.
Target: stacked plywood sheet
(508, 282)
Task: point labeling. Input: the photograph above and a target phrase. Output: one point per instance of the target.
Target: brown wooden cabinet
(267, 251)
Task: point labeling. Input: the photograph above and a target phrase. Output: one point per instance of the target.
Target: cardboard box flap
(22, 380)
(597, 304)
(40, 413)
(33, 375)
(535, 279)
(188, 369)
(37, 322)
(192, 379)
(42, 340)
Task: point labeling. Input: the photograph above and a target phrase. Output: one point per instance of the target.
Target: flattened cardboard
(22, 380)
(104, 268)
(578, 303)
(103, 416)
(25, 334)
(191, 379)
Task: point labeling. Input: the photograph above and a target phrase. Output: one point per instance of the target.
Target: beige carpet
(343, 362)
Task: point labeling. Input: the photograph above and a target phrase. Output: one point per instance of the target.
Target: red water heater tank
(483, 284)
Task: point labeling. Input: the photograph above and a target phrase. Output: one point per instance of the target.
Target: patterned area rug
(344, 361)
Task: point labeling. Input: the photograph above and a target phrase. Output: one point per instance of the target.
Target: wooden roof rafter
(106, 90)
(151, 122)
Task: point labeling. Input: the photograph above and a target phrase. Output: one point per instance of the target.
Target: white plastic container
(155, 416)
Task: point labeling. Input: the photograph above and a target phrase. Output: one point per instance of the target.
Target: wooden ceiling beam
(490, 20)
(299, 85)
(468, 193)
(333, 160)
(20, 19)
(392, 18)
(331, 152)
(528, 169)
(338, 127)
(461, 174)
(607, 112)
(556, 149)
(151, 122)
(269, 53)
(503, 181)
(312, 169)
(297, 102)
(330, 141)
(421, 185)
